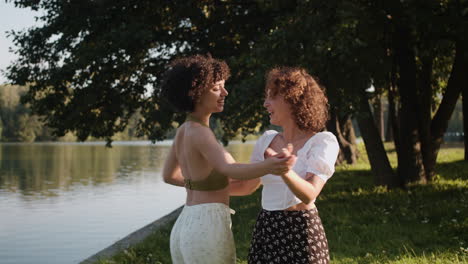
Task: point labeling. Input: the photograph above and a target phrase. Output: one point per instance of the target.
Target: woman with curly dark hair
(289, 229)
(202, 232)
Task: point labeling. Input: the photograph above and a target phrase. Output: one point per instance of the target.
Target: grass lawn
(364, 223)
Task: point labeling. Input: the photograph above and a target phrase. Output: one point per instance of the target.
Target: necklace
(299, 139)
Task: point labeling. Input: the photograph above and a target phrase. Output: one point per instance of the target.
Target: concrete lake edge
(133, 238)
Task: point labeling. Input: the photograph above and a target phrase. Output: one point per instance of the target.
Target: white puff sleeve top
(317, 156)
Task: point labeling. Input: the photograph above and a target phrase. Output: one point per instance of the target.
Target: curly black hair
(187, 78)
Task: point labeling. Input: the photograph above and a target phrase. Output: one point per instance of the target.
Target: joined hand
(285, 158)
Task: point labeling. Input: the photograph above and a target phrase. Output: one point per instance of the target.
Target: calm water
(62, 202)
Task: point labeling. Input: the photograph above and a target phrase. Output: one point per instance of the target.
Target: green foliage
(91, 65)
(19, 124)
(27, 126)
(365, 224)
(105, 57)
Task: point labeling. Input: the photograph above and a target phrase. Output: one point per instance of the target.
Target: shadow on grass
(364, 223)
(453, 170)
(368, 224)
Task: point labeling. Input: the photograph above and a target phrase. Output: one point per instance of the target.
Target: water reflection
(61, 203)
(44, 168)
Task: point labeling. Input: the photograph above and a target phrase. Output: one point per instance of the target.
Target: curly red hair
(308, 102)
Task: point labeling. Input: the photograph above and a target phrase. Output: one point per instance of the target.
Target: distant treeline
(18, 124)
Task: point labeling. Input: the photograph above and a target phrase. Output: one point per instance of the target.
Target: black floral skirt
(289, 237)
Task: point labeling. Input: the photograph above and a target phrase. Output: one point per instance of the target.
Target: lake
(63, 202)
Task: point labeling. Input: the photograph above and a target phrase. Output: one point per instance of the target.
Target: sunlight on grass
(421, 224)
(366, 224)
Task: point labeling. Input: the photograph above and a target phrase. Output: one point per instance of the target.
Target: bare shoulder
(180, 132)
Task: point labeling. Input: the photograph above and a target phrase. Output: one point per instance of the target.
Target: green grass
(364, 223)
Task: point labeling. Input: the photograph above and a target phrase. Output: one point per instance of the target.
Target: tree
(345, 64)
(92, 62)
(1, 129)
(390, 44)
(465, 120)
(380, 165)
(103, 58)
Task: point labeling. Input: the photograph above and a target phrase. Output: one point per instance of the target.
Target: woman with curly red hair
(288, 228)
(202, 232)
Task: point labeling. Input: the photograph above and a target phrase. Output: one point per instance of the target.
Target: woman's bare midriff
(201, 197)
(300, 207)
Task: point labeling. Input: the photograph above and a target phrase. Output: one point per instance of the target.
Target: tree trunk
(458, 80)
(389, 128)
(348, 130)
(465, 119)
(379, 115)
(410, 162)
(380, 166)
(392, 112)
(349, 134)
(348, 148)
(425, 104)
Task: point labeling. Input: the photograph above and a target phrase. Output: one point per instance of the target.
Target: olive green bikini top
(215, 180)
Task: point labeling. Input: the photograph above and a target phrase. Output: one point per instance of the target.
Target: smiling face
(278, 108)
(212, 99)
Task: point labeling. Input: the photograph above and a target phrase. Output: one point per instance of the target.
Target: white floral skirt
(202, 234)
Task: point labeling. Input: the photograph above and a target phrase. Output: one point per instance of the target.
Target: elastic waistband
(220, 206)
(311, 209)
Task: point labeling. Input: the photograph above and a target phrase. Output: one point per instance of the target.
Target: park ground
(365, 224)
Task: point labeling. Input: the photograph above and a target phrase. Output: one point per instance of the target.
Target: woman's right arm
(213, 152)
(247, 187)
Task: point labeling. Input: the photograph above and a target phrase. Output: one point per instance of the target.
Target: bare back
(194, 166)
